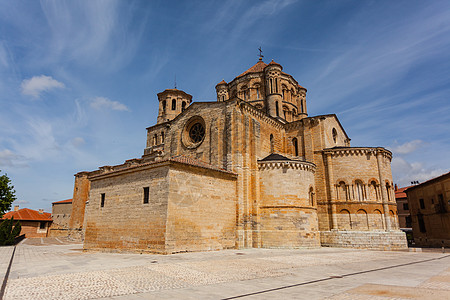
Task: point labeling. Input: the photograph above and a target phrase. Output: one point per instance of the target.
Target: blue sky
(78, 79)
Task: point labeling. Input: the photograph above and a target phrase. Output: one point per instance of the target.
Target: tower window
(257, 93)
(277, 108)
(334, 132)
(271, 143)
(164, 106)
(162, 137)
(183, 106)
(102, 201)
(174, 104)
(295, 143)
(146, 194)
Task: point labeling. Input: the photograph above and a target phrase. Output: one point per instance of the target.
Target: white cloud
(405, 172)
(10, 159)
(105, 103)
(407, 147)
(38, 84)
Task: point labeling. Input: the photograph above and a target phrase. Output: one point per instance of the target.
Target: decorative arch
(378, 220)
(373, 190)
(344, 220)
(359, 191)
(342, 191)
(362, 221)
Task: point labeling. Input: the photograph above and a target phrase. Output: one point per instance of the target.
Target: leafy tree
(7, 194)
(8, 231)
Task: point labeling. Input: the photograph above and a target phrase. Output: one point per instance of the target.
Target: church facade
(251, 169)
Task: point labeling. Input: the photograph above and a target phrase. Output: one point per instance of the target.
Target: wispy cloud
(105, 103)
(38, 84)
(11, 159)
(405, 172)
(407, 147)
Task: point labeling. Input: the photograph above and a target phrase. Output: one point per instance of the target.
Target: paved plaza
(57, 269)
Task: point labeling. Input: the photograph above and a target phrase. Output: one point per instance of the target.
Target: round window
(194, 132)
(197, 133)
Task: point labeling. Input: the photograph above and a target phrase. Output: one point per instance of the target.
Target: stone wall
(287, 206)
(374, 240)
(201, 210)
(61, 218)
(181, 213)
(125, 222)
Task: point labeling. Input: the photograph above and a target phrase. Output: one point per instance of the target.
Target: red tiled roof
(63, 201)
(222, 82)
(27, 214)
(274, 63)
(258, 67)
(400, 193)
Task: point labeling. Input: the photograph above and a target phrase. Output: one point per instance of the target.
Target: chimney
(16, 207)
(41, 211)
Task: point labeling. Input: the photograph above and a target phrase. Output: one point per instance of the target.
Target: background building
(404, 216)
(61, 211)
(429, 204)
(34, 223)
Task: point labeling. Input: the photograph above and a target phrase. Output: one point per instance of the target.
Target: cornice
(287, 164)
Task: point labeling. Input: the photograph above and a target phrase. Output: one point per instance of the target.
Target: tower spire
(175, 82)
(260, 53)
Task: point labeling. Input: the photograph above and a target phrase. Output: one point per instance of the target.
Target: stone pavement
(55, 269)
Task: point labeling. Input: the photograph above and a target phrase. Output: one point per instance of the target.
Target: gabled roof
(26, 214)
(63, 201)
(275, 156)
(400, 193)
(258, 67)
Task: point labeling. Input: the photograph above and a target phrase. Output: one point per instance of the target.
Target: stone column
(384, 196)
(332, 192)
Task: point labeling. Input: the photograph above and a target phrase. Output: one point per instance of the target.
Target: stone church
(251, 169)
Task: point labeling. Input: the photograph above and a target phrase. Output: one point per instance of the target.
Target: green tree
(7, 194)
(8, 231)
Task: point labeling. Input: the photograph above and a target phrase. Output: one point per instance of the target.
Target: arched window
(277, 108)
(162, 137)
(283, 94)
(174, 104)
(301, 106)
(295, 144)
(276, 85)
(311, 196)
(373, 194)
(342, 191)
(155, 139)
(164, 106)
(183, 105)
(271, 143)
(257, 92)
(388, 190)
(334, 133)
(359, 193)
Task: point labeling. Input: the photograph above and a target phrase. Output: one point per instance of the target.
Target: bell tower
(172, 102)
(274, 99)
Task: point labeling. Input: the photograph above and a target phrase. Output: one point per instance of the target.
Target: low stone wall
(373, 240)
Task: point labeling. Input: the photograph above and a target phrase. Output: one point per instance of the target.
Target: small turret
(172, 102)
(273, 89)
(222, 91)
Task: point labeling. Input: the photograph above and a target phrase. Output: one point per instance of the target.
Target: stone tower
(273, 89)
(172, 102)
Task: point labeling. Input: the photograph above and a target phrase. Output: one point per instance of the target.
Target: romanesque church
(251, 169)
